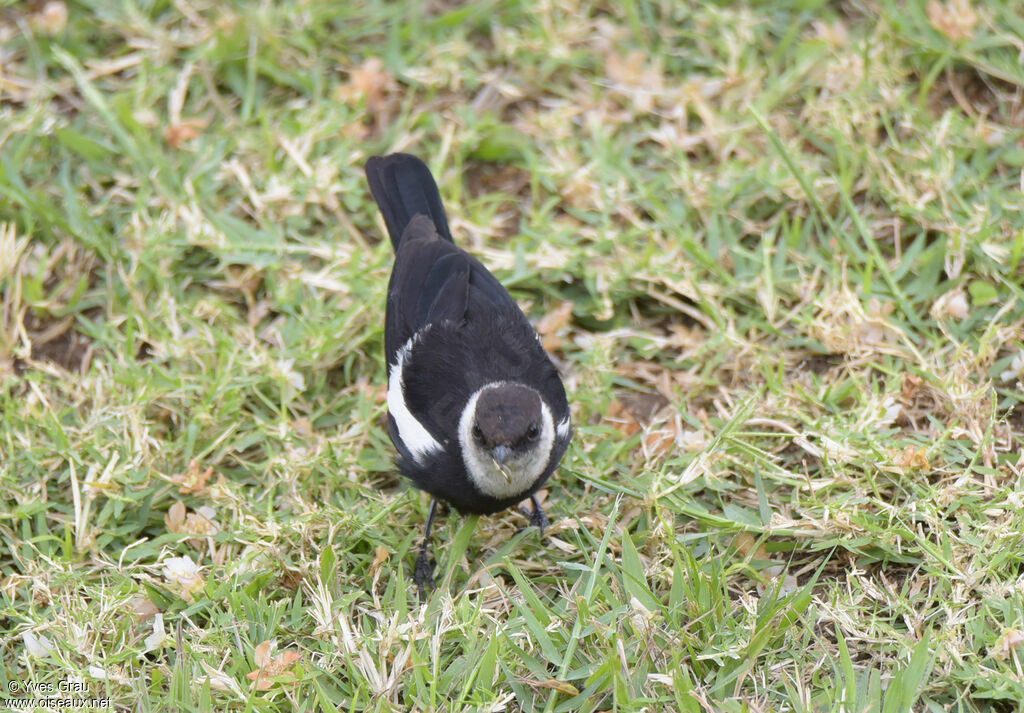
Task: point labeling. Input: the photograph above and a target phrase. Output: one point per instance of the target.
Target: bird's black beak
(500, 454)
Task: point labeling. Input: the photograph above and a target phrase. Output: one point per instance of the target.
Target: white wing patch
(414, 435)
(563, 428)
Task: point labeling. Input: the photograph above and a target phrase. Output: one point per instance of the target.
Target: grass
(775, 248)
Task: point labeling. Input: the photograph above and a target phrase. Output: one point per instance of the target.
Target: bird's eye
(478, 434)
(533, 431)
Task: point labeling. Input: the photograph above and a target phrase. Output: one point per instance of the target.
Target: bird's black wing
(434, 281)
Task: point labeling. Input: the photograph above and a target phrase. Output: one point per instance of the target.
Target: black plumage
(476, 409)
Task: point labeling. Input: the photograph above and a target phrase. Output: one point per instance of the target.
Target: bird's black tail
(403, 187)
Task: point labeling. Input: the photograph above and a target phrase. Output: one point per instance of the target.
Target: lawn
(776, 250)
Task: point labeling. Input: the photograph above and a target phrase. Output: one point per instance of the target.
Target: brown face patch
(505, 414)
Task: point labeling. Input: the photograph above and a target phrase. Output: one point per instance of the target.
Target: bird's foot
(536, 517)
(423, 575)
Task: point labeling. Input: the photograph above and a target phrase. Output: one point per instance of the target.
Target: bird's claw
(536, 517)
(423, 575)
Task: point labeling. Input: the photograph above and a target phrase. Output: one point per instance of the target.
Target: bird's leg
(423, 575)
(537, 518)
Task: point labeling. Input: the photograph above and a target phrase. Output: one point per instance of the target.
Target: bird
(477, 410)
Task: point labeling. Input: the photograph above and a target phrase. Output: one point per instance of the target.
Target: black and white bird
(476, 409)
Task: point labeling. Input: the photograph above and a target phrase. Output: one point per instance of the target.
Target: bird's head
(506, 434)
